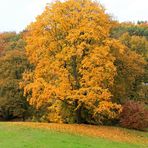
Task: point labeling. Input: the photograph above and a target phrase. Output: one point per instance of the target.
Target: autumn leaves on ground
(45, 135)
(79, 71)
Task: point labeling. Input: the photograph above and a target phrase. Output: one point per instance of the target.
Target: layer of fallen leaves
(108, 132)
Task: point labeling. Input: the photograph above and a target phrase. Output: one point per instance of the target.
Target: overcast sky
(15, 15)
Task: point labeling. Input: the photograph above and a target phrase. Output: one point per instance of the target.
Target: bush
(134, 115)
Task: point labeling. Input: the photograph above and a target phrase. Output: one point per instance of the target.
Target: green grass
(12, 136)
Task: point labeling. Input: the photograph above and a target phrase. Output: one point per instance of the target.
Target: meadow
(44, 135)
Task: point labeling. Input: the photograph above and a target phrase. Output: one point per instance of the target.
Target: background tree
(133, 29)
(130, 83)
(13, 62)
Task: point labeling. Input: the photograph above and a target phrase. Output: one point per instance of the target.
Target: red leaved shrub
(134, 115)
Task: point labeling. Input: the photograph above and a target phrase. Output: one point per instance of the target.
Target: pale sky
(15, 15)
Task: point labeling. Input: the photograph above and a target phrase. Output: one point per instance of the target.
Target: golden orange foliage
(70, 47)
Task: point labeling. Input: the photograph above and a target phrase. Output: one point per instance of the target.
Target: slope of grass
(35, 135)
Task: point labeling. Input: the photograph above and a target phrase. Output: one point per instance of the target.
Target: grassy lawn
(16, 135)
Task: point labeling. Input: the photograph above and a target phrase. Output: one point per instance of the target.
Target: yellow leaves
(54, 114)
(116, 46)
(109, 110)
(68, 45)
(98, 67)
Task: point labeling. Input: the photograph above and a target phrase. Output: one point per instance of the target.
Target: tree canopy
(13, 63)
(70, 47)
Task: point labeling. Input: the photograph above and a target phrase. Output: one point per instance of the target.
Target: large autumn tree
(70, 48)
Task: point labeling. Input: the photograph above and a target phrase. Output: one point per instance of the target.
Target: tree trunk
(78, 113)
(75, 72)
(76, 86)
